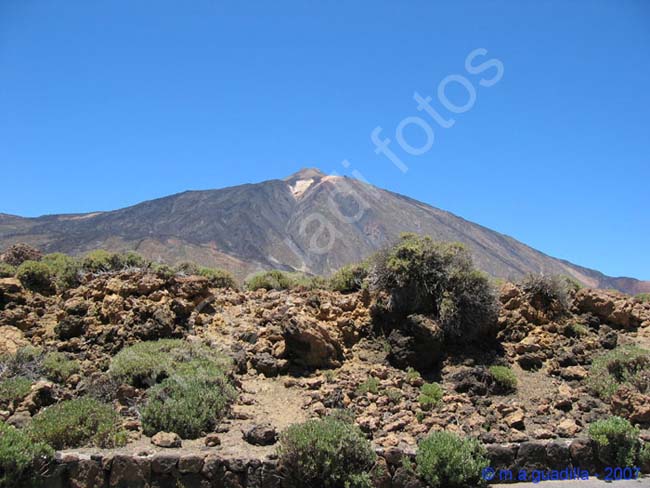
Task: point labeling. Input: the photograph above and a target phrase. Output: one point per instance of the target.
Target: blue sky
(106, 104)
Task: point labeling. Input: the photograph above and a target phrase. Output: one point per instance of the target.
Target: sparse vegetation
(21, 459)
(187, 268)
(437, 279)
(218, 278)
(349, 278)
(371, 385)
(446, 460)
(193, 391)
(27, 363)
(7, 270)
(547, 293)
(36, 276)
(430, 395)
(326, 453)
(76, 423)
(504, 377)
(270, 280)
(98, 261)
(14, 389)
(58, 367)
(147, 363)
(412, 375)
(186, 404)
(617, 441)
(623, 366)
(575, 329)
(65, 270)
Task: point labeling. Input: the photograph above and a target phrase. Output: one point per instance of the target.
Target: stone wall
(178, 469)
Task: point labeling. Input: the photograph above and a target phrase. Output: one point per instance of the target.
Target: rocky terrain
(285, 224)
(310, 352)
(318, 347)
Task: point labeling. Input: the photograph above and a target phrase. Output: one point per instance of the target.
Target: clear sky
(106, 104)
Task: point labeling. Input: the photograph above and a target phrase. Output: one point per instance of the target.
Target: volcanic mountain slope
(309, 222)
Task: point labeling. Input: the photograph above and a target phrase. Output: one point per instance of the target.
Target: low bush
(371, 385)
(21, 459)
(626, 365)
(58, 367)
(326, 453)
(187, 268)
(547, 293)
(147, 363)
(7, 270)
(349, 278)
(445, 460)
(218, 278)
(644, 297)
(437, 279)
(617, 441)
(27, 363)
(98, 261)
(65, 269)
(270, 280)
(504, 377)
(77, 423)
(162, 270)
(430, 395)
(14, 389)
(188, 405)
(575, 329)
(644, 457)
(36, 276)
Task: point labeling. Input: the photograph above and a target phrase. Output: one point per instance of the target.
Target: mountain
(308, 222)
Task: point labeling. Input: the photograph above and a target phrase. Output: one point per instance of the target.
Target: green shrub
(547, 293)
(349, 278)
(371, 385)
(21, 459)
(14, 389)
(430, 395)
(7, 270)
(98, 261)
(36, 276)
(394, 394)
(65, 270)
(307, 282)
(187, 405)
(412, 375)
(218, 278)
(163, 270)
(147, 363)
(131, 259)
(504, 377)
(644, 457)
(445, 460)
(187, 268)
(617, 441)
(270, 280)
(628, 365)
(421, 276)
(193, 391)
(575, 329)
(326, 453)
(58, 367)
(77, 423)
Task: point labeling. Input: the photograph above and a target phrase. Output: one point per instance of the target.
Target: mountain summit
(309, 221)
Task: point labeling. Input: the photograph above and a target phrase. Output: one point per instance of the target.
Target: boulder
(11, 339)
(310, 344)
(261, 435)
(613, 308)
(166, 440)
(417, 342)
(631, 404)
